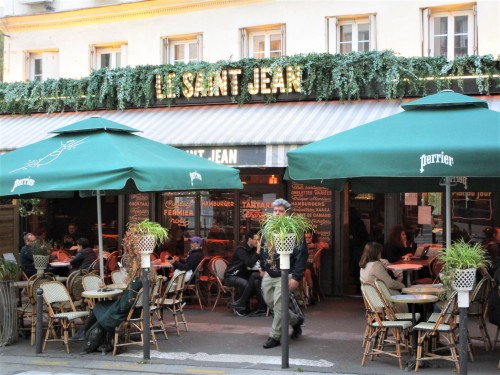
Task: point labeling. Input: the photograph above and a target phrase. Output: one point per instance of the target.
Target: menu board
(138, 207)
(316, 203)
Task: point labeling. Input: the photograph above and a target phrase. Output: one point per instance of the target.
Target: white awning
(279, 126)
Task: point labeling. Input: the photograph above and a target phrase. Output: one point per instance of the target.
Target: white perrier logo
(435, 159)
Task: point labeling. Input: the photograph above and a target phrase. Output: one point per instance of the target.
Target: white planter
(146, 245)
(284, 249)
(41, 262)
(464, 279)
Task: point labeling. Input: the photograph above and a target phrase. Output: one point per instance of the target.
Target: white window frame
(333, 25)
(114, 49)
(170, 43)
(49, 65)
(249, 33)
(428, 17)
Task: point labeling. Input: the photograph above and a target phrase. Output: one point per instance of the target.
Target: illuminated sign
(227, 83)
(242, 155)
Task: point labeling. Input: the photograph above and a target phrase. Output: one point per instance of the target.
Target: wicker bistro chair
(383, 322)
(191, 286)
(477, 309)
(133, 325)
(171, 299)
(118, 276)
(218, 267)
(90, 282)
(444, 324)
(205, 279)
(386, 295)
(61, 310)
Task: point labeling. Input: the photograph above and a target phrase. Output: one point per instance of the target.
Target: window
(42, 65)
(350, 33)
(109, 56)
(182, 49)
(449, 33)
(263, 42)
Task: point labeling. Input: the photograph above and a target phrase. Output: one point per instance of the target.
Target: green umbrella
(436, 141)
(101, 157)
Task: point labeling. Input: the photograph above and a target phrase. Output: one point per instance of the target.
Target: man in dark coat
(193, 258)
(84, 257)
(26, 255)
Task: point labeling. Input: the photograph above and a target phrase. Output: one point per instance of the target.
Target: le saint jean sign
(228, 82)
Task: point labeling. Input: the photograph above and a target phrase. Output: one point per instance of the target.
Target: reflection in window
(217, 218)
(178, 215)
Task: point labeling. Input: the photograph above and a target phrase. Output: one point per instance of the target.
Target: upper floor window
(350, 33)
(41, 65)
(263, 41)
(450, 33)
(182, 48)
(109, 56)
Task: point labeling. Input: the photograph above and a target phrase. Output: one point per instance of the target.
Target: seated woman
(106, 315)
(313, 246)
(372, 269)
(397, 247)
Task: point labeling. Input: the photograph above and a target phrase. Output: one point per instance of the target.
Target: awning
(280, 126)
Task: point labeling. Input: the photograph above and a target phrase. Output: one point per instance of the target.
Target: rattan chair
(386, 297)
(118, 276)
(61, 311)
(218, 267)
(444, 325)
(171, 299)
(382, 323)
(477, 309)
(90, 282)
(191, 285)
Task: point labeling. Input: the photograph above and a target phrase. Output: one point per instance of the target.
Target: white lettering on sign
(224, 156)
(22, 182)
(435, 159)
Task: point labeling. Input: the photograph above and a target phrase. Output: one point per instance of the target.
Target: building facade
(64, 39)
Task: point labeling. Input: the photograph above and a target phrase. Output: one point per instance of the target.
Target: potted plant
(460, 262)
(9, 272)
(143, 236)
(284, 232)
(41, 255)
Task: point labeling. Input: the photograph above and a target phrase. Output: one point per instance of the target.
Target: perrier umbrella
(438, 141)
(101, 157)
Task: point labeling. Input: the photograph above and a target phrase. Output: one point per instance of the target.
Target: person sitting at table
(313, 246)
(26, 255)
(71, 236)
(85, 255)
(193, 258)
(397, 247)
(106, 315)
(371, 268)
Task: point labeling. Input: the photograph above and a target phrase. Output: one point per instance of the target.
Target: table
(117, 286)
(107, 293)
(163, 265)
(405, 267)
(60, 264)
(434, 289)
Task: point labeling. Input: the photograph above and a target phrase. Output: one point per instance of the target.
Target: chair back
(90, 282)
(34, 283)
(478, 297)
(385, 294)
(175, 284)
(63, 255)
(218, 267)
(448, 313)
(112, 262)
(156, 289)
(153, 257)
(317, 260)
(375, 302)
(75, 285)
(119, 276)
(55, 293)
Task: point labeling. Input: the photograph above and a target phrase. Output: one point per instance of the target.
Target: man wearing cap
(193, 258)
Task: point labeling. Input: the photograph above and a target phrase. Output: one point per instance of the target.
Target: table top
(407, 266)
(59, 264)
(117, 286)
(165, 264)
(434, 289)
(414, 298)
(108, 292)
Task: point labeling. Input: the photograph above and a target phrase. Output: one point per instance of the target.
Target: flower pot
(464, 279)
(41, 263)
(8, 313)
(284, 249)
(146, 245)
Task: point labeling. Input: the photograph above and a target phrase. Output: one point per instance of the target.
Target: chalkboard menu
(138, 207)
(316, 203)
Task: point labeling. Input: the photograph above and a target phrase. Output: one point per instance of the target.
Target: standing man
(26, 255)
(271, 281)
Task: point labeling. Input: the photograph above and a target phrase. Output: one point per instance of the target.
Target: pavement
(222, 343)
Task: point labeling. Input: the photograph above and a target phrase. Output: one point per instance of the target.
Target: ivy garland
(345, 77)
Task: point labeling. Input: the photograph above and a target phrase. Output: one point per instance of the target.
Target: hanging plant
(28, 207)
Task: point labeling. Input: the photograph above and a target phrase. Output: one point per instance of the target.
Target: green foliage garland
(345, 77)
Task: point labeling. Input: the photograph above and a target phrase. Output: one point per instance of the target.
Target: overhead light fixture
(365, 197)
(273, 180)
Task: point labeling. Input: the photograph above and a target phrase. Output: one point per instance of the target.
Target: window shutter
(27, 66)
(50, 65)
(244, 48)
(373, 31)
(283, 40)
(331, 35)
(92, 58)
(426, 32)
(475, 47)
(199, 41)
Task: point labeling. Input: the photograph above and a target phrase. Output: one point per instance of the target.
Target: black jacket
(83, 259)
(298, 260)
(27, 263)
(194, 258)
(244, 257)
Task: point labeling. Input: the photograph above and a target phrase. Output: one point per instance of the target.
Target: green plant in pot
(284, 232)
(41, 255)
(9, 271)
(460, 262)
(148, 234)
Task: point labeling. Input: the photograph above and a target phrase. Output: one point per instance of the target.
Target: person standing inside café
(271, 281)
(313, 246)
(397, 247)
(84, 257)
(71, 236)
(239, 271)
(26, 255)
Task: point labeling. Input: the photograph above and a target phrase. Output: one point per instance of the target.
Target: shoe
(258, 312)
(297, 329)
(236, 305)
(240, 312)
(271, 343)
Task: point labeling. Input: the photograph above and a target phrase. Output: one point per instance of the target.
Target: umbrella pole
(448, 210)
(99, 234)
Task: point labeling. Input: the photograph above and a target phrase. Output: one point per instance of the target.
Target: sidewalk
(221, 343)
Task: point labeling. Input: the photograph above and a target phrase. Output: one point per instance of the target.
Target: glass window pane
(105, 60)
(363, 37)
(345, 38)
(179, 54)
(193, 52)
(461, 45)
(217, 215)
(275, 45)
(461, 39)
(441, 26)
(118, 57)
(37, 69)
(441, 36)
(259, 46)
(461, 24)
(178, 216)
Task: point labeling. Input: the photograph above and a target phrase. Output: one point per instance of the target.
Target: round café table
(121, 286)
(102, 293)
(59, 264)
(407, 268)
(434, 289)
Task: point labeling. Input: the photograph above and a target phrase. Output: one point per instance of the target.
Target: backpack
(94, 338)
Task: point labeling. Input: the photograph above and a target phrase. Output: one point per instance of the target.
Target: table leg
(410, 364)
